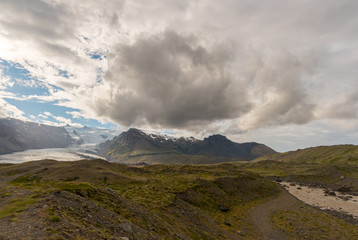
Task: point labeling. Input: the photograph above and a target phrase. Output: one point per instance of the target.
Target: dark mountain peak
(134, 133)
(135, 130)
(133, 139)
(216, 138)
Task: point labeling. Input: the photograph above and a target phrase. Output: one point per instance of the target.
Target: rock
(344, 189)
(345, 198)
(126, 227)
(331, 193)
(240, 233)
(223, 208)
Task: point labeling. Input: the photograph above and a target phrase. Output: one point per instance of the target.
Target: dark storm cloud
(172, 80)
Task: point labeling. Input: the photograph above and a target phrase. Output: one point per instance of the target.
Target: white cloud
(8, 110)
(5, 81)
(75, 114)
(61, 121)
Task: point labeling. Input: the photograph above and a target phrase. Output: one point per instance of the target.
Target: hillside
(347, 154)
(17, 135)
(331, 167)
(135, 146)
(96, 199)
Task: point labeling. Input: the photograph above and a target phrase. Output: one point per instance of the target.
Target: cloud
(61, 121)
(5, 81)
(347, 108)
(8, 110)
(75, 114)
(280, 91)
(170, 79)
(228, 67)
(178, 80)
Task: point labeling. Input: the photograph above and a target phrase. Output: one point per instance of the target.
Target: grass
(83, 189)
(26, 179)
(331, 175)
(339, 154)
(203, 201)
(159, 190)
(305, 222)
(54, 219)
(15, 206)
(5, 194)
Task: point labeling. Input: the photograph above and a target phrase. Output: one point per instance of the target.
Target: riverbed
(317, 197)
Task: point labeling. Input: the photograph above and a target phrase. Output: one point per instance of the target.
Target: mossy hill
(345, 154)
(96, 199)
(332, 167)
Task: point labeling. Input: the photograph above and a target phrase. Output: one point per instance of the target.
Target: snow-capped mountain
(87, 136)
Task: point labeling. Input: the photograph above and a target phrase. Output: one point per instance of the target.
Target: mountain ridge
(134, 143)
(17, 135)
(344, 153)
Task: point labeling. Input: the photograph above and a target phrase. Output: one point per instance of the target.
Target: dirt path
(261, 215)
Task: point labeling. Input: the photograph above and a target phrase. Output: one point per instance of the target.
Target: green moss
(27, 179)
(307, 223)
(54, 219)
(16, 206)
(83, 189)
(5, 194)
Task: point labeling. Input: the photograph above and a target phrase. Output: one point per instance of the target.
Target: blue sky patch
(97, 55)
(25, 85)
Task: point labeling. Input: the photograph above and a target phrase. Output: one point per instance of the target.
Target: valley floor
(261, 215)
(286, 217)
(95, 199)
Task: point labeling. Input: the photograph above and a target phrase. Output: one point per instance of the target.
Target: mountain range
(131, 147)
(135, 146)
(17, 135)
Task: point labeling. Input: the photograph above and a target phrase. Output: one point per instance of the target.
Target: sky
(283, 73)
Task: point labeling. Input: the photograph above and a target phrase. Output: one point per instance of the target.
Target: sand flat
(317, 197)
